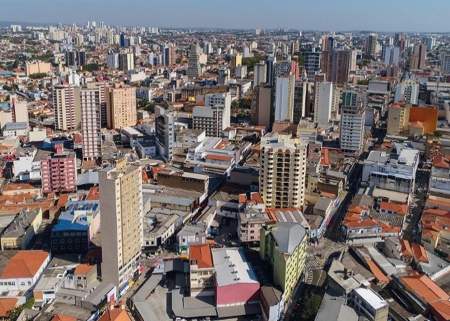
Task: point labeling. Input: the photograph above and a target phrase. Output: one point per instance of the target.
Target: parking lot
(227, 232)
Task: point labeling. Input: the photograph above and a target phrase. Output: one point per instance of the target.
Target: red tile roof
(440, 310)
(441, 161)
(83, 269)
(397, 208)
(25, 264)
(202, 254)
(406, 248)
(419, 253)
(425, 288)
(218, 157)
(62, 317)
(377, 272)
(6, 305)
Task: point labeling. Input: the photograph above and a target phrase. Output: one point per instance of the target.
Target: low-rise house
(393, 208)
(272, 303)
(190, 234)
(21, 188)
(201, 276)
(368, 303)
(84, 275)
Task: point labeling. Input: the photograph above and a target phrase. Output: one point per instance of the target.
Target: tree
(310, 308)
(14, 313)
(437, 134)
(16, 63)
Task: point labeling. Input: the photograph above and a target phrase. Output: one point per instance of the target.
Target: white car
(414, 232)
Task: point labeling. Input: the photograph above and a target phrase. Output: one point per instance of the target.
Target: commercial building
(335, 64)
(122, 216)
(164, 133)
(189, 181)
(259, 73)
(407, 91)
(284, 97)
(170, 55)
(368, 303)
(390, 55)
(312, 64)
(326, 103)
(261, 105)
(21, 230)
(67, 108)
(59, 171)
(445, 62)
(201, 274)
(352, 129)
(126, 61)
(398, 119)
(214, 117)
(283, 246)
(91, 109)
(282, 178)
(194, 69)
(121, 106)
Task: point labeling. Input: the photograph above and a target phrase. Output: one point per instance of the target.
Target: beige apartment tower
(282, 176)
(91, 107)
(121, 106)
(67, 108)
(121, 216)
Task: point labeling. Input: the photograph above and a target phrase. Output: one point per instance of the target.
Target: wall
(428, 116)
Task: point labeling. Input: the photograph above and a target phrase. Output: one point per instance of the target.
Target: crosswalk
(313, 264)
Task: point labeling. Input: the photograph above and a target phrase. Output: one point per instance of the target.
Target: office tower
(335, 65)
(214, 117)
(281, 177)
(312, 64)
(59, 171)
(112, 61)
(445, 62)
(194, 69)
(121, 106)
(287, 66)
(407, 91)
(91, 108)
(326, 103)
(126, 61)
(284, 97)
(236, 60)
(327, 43)
(430, 42)
(352, 129)
(122, 40)
(121, 216)
(302, 100)
(371, 44)
(261, 105)
(418, 57)
(81, 58)
(390, 55)
(170, 55)
(271, 61)
(392, 71)
(164, 133)
(353, 58)
(67, 108)
(259, 73)
(71, 60)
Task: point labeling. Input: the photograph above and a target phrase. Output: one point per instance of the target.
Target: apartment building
(398, 119)
(67, 108)
(284, 97)
(352, 129)
(335, 64)
(121, 106)
(165, 133)
(122, 216)
(59, 171)
(214, 117)
(326, 103)
(261, 105)
(201, 275)
(90, 98)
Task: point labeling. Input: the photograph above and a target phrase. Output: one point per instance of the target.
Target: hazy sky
(336, 15)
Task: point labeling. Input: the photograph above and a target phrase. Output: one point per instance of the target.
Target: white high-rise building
(282, 175)
(122, 219)
(408, 91)
(214, 117)
(112, 61)
(259, 73)
(326, 103)
(164, 133)
(126, 61)
(390, 55)
(445, 62)
(194, 69)
(284, 97)
(207, 48)
(352, 129)
(430, 42)
(352, 60)
(91, 108)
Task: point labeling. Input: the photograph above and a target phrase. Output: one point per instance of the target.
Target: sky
(325, 15)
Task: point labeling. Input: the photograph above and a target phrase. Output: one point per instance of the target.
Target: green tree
(14, 313)
(16, 63)
(310, 308)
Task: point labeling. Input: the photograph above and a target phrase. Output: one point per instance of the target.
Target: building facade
(121, 106)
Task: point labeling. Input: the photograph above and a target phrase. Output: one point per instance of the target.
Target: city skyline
(320, 15)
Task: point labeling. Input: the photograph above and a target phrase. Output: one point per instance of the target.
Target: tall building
(112, 60)
(390, 55)
(352, 129)
(281, 178)
(312, 64)
(19, 109)
(445, 62)
(214, 117)
(261, 105)
(283, 246)
(91, 108)
(371, 44)
(327, 43)
(164, 133)
(207, 48)
(236, 61)
(121, 216)
(418, 57)
(430, 42)
(326, 103)
(59, 171)
(170, 55)
(284, 97)
(302, 98)
(121, 106)
(126, 61)
(407, 91)
(259, 73)
(287, 66)
(75, 58)
(194, 69)
(271, 61)
(335, 64)
(67, 108)
(398, 119)
(353, 59)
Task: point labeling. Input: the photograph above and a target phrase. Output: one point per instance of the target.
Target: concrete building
(282, 182)
(170, 55)
(390, 55)
(312, 64)
(122, 216)
(214, 117)
(407, 91)
(270, 78)
(398, 119)
(59, 171)
(302, 98)
(326, 103)
(259, 73)
(368, 303)
(335, 64)
(371, 44)
(445, 62)
(112, 61)
(284, 97)
(121, 106)
(37, 67)
(67, 108)
(201, 274)
(194, 69)
(352, 129)
(21, 230)
(126, 61)
(261, 105)
(236, 61)
(189, 181)
(418, 57)
(283, 246)
(91, 108)
(164, 133)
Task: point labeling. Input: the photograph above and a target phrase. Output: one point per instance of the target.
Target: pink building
(236, 282)
(59, 172)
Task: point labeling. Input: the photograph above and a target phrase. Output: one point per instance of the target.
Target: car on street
(414, 232)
